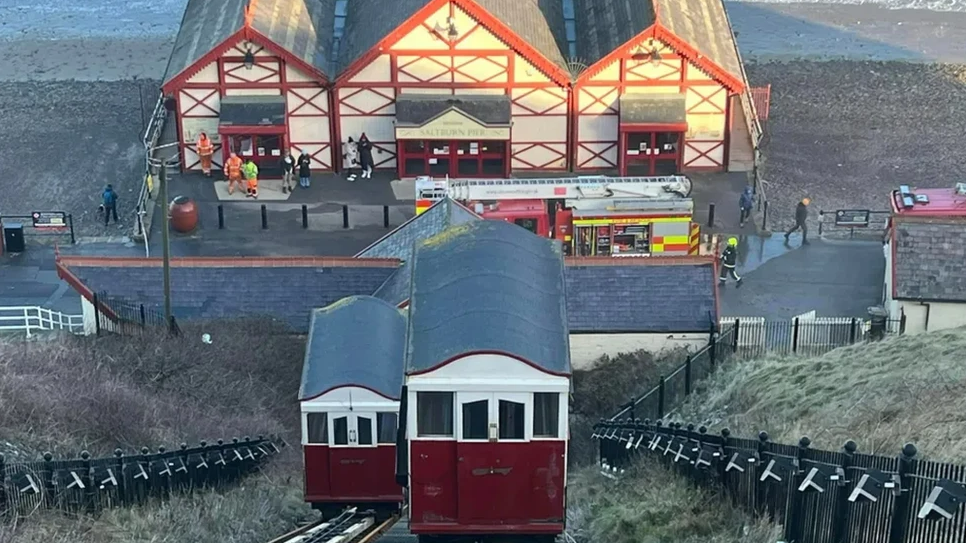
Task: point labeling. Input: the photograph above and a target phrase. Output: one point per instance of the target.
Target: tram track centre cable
(352, 526)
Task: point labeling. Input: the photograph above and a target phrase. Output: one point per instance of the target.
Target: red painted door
(493, 471)
(353, 455)
(652, 153)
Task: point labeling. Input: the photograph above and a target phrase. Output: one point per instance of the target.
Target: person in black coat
(365, 156)
(801, 218)
(305, 169)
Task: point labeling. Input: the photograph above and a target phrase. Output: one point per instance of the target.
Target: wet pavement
(835, 278)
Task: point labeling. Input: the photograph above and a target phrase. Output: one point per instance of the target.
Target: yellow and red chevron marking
(694, 247)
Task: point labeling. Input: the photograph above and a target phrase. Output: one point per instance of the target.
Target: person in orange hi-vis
(205, 150)
(233, 171)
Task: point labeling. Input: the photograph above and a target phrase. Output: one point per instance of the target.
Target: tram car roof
(488, 287)
(357, 341)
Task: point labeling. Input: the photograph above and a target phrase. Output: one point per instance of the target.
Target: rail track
(352, 526)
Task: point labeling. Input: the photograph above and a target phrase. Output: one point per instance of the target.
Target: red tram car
(350, 394)
(487, 385)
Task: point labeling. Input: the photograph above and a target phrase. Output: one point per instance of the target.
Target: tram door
(352, 439)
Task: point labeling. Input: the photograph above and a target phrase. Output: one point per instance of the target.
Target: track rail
(352, 526)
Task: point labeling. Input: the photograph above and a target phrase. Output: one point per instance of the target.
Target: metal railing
(854, 221)
(31, 319)
(150, 139)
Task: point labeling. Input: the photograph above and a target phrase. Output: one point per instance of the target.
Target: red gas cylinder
(183, 213)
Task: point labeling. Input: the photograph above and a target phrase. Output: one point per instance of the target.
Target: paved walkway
(834, 278)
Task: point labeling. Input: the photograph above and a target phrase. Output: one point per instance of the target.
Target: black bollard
(305, 216)
(264, 217)
(221, 217)
(385, 216)
(711, 215)
(345, 216)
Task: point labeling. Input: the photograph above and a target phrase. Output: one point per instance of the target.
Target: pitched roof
(605, 25)
(930, 259)
(205, 24)
(401, 242)
(640, 295)
(301, 27)
(368, 22)
(304, 28)
(488, 286)
(286, 289)
(358, 341)
(419, 109)
(704, 25)
(538, 22)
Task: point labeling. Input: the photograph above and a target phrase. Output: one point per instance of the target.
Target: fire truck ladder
(571, 188)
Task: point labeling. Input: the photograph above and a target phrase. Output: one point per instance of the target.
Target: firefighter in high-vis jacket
(729, 261)
(205, 151)
(233, 171)
(251, 177)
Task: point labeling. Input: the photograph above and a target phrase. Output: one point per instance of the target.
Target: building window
(546, 414)
(340, 431)
(512, 420)
(364, 426)
(434, 414)
(318, 428)
(476, 417)
(387, 423)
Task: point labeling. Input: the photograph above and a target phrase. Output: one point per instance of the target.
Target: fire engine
(590, 215)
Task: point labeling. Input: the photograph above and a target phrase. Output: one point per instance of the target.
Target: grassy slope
(882, 395)
(69, 394)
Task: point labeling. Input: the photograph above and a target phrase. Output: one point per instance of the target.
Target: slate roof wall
(641, 297)
(368, 22)
(540, 23)
(419, 109)
(206, 23)
(301, 27)
(488, 286)
(605, 25)
(287, 294)
(358, 341)
(704, 25)
(930, 259)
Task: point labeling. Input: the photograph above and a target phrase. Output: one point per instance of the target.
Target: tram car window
(487, 387)
(349, 399)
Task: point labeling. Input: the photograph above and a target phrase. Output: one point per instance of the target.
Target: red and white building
(482, 88)
(252, 76)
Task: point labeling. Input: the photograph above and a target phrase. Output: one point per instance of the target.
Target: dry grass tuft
(70, 393)
(882, 395)
(599, 392)
(650, 504)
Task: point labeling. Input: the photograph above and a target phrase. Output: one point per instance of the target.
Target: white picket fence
(31, 319)
(805, 333)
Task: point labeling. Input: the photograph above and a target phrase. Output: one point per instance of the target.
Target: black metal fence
(88, 485)
(818, 496)
(671, 390)
(124, 316)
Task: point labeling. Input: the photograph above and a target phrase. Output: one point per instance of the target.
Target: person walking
(288, 170)
(205, 151)
(251, 177)
(801, 218)
(365, 156)
(305, 170)
(745, 203)
(233, 172)
(729, 263)
(109, 197)
(350, 154)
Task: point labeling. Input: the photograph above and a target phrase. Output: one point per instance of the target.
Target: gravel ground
(846, 133)
(65, 140)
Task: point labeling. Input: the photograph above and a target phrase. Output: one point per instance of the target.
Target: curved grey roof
(358, 341)
(488, 286)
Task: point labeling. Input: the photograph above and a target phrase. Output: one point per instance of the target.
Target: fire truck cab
(591, 216)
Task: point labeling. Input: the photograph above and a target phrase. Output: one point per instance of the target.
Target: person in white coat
(350, 155)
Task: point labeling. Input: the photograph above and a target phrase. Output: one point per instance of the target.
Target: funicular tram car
(349, 398)
(487, 387)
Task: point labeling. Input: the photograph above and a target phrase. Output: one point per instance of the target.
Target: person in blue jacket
(745, 203)
(109, 204)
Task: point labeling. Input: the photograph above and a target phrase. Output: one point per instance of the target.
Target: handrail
(35, 318)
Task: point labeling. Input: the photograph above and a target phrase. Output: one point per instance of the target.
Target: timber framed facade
(467, 88)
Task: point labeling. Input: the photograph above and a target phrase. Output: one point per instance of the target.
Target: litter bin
(13, 237)
(878, 317)
(184, 214)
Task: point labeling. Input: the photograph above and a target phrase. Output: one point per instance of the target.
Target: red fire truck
(592, 216)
